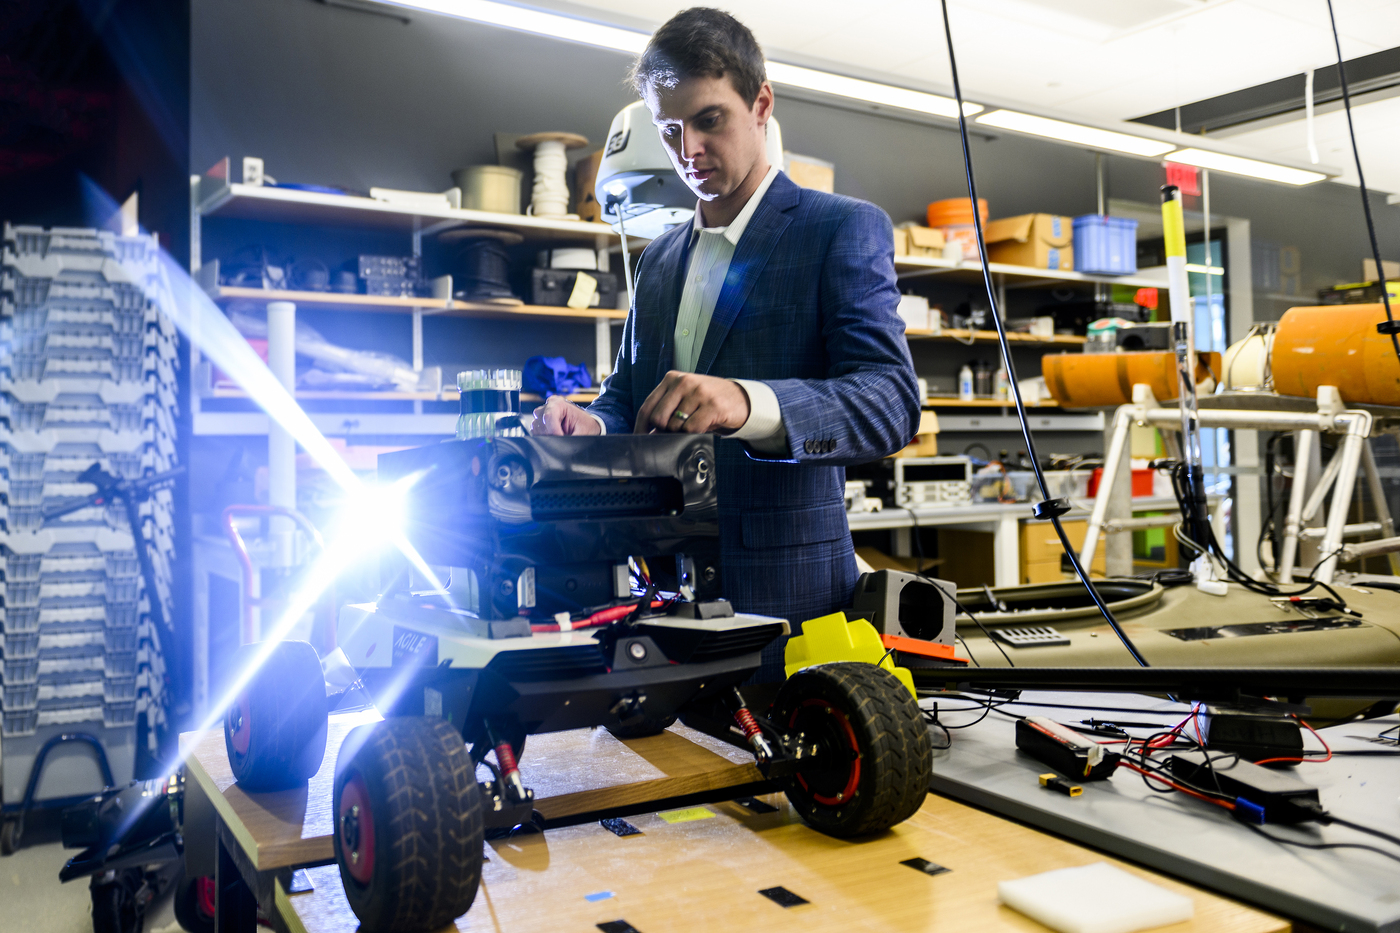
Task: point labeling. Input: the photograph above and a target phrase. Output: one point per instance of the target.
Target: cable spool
(490, 403)
(484, 264)
(550, 195)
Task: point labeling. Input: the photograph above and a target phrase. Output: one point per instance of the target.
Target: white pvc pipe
(281, 448)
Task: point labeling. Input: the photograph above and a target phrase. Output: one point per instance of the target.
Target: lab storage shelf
(333, 301)
(216, 197)
(908, 267)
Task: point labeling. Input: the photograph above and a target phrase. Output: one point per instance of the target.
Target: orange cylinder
(1095, 380)
(952, 212)
(1336, 345)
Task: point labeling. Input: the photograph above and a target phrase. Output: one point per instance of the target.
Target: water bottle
(965, 392)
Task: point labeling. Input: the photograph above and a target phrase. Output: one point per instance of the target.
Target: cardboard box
(810, 172)
(585, 177)
(1041, 241)
(925, 443)
(918, 241)
(1368, 270)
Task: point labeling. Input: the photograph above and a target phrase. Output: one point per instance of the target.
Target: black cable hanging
(1048, 507)
(1390, 326)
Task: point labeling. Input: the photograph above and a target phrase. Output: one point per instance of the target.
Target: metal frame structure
(1355, 426)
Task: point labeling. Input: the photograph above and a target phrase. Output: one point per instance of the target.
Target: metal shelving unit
(212, 195)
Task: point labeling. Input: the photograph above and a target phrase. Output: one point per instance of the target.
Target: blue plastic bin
(1105, 245)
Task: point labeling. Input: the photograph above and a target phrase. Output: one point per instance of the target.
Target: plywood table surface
(571, 773)
(705, 874)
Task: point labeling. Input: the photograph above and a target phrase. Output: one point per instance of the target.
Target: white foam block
(1094, 898)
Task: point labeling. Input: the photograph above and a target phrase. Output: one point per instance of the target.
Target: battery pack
(1065, 750)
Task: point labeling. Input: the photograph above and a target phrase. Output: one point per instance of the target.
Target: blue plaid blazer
(809, 307)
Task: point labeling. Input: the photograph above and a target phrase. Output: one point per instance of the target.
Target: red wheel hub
(240, 724)
(355, 823)
(204, 896)
(846, 741)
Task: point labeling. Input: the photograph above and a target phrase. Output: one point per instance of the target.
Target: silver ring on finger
(680, 415)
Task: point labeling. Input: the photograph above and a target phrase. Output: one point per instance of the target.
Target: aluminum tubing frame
(1354, 424)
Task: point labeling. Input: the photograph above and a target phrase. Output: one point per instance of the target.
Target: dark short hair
(701, 42)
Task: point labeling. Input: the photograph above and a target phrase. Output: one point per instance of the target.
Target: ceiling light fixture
(1074, 133)
(1236, 165)
(1200, 267)
(870, 91)
(557, 26)
(554, 25)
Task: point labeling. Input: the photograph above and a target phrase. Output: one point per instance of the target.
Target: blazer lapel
(670, 273)
(750, 257)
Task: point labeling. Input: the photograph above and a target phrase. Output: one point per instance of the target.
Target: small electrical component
(1057, 783)
(1063, 749)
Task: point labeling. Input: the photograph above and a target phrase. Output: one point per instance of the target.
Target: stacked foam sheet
(87, 376)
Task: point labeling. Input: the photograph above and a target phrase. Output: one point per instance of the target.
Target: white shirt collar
(735, 230)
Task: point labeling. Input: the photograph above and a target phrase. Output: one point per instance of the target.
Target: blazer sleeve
(868, 406)
(614, 403)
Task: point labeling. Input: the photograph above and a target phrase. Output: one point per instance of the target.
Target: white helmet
(636, 175)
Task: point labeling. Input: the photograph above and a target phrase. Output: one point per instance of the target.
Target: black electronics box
(393, 267)
(1253, 735)
(552, 287)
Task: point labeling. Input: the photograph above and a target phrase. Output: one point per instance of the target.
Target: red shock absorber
(746, 722)
(752, 732)
(510, 772)
(505, 757)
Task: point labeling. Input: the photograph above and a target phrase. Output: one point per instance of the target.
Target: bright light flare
(195, 314)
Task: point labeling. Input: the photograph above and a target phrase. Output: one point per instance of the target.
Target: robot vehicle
(543, 626)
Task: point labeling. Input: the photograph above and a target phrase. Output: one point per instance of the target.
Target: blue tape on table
(598, 896)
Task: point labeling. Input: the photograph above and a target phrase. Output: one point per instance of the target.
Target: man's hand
(560, 416)
(694, 404)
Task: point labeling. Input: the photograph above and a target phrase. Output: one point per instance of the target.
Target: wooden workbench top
(706, 874)
(571, 773)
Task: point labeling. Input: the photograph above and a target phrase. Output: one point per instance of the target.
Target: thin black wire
(1009, 364)
(1363, 829)
(919, 551)
(1323, 845)
(970, 655)
(1361, 180)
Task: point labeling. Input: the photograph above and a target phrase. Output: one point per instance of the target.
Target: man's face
(715, 139)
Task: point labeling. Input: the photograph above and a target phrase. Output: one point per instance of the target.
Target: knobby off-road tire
(876, 760)
(275, 729)
(408, 830)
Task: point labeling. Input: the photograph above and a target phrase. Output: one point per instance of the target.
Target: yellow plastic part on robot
(832, 638)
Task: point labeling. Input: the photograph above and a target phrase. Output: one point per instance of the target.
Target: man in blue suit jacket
(771, 320)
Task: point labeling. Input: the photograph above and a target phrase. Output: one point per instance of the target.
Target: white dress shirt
(711, 249)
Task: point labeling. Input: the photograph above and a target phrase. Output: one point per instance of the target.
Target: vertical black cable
(1006, 356)
(1361, 179)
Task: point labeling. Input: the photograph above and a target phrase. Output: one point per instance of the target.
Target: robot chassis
(539, 630)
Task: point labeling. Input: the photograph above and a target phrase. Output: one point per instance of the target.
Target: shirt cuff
(764, 431)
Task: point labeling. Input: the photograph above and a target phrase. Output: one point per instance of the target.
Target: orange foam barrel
(1336, 345)
(1095, 380)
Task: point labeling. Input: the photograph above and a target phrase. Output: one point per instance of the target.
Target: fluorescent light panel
(1235, 165)
(538, 22)
(870, 91)
(568, 28)
(1074, 133)
(1199, 267)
